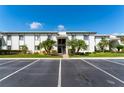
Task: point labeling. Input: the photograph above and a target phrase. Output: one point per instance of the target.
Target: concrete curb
(64, 58)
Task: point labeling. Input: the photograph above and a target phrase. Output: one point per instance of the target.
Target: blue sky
(101, 19)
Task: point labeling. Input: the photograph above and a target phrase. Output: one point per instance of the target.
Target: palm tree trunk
(78, 50)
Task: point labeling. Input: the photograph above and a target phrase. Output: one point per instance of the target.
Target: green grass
(101, 54)
(28, 56)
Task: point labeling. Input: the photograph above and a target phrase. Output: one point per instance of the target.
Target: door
(62, 46)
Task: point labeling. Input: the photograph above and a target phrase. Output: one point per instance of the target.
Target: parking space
(62, 73)
(43, 73)
(113, 68)
(10, 67)
(117, 60)
(5, 61)
(79, 73)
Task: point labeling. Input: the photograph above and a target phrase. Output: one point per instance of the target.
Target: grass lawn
(28, 56)
(101, 54)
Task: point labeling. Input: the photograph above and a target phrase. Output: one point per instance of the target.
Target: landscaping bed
(101, 54)
(29, 56)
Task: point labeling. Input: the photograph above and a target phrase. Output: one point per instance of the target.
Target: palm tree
(47, 45)
(24, 49)
(76, 44)
(122, 39)
(103, 44)
(73, 44)
(81, 45)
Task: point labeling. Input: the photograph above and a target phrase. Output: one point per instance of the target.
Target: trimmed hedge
(9, 52)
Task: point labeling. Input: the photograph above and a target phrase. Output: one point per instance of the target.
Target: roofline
(106, 35)
(49, 32)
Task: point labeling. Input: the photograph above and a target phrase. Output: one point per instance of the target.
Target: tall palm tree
(81, 45)
(73, 44)
(47, 45)
(76, 44)
(103, 44)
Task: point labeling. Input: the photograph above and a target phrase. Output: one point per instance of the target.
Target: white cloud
(36, 25)
(61, 27)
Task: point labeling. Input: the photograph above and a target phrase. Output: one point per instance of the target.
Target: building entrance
(62, 46)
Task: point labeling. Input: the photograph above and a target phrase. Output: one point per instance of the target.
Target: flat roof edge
(52, 32)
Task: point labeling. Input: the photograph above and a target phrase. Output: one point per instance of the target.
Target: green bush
(9, 52)
(54, 53)
(87, 53)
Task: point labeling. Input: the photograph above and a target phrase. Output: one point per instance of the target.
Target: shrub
(9, 52)
(87, 53)
(54, 53)
(119, 47)
(24, 49)
(36, 52)
(44, 52)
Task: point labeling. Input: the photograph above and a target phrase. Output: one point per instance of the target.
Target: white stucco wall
(55, 39)
(15, 42)
(91, 43)
(29, 42)
(79, 36)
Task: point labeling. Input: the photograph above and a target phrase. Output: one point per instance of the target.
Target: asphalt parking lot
(62, 73)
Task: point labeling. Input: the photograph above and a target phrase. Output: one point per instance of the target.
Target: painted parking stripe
(18, 70)
(8, 62)
(113, 62)
(59, 75)
(103, 71)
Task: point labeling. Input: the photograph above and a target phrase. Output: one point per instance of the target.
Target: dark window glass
(9, 47)
(21, 37)
(8, 37)
(36, 47)
(37, 37)
(49, 36)
(86, 37)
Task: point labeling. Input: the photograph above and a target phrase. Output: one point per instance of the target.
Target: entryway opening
(62, 46)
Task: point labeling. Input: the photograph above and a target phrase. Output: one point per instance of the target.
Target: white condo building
(13, 40)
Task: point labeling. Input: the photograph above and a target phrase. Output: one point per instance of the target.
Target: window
(36, 47)
(8, 37)
(73, 36)
(21, 37)
(49, 36)
(37, 37)
(86, 37)
(8, 47)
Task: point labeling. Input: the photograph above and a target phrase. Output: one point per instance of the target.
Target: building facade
(14, 40)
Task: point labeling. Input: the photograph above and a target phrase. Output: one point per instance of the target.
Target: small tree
(119, 47)
(103, 44)
(113, 44)
(73, 44)
(24, 49)
(76, 44)
(122, 39)
(47, 45)
(81, 45)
